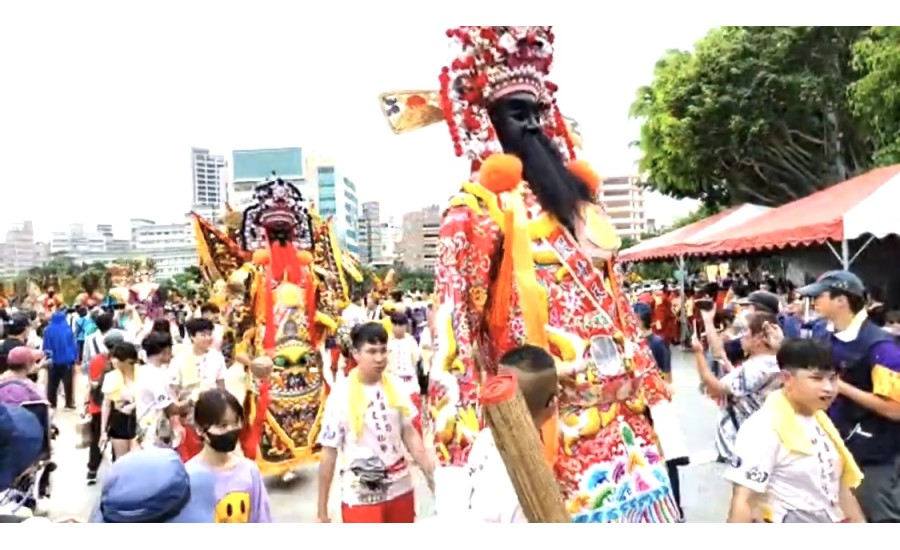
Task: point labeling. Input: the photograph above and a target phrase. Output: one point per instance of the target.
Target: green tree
(875, 97)
(754, 114)
(415, 281)
(188, 283)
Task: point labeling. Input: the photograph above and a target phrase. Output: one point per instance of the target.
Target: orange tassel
(502, 292)
(583, 171)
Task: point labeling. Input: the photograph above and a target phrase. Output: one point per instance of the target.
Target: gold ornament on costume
(406, 111)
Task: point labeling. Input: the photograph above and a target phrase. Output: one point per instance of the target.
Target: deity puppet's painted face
(518, 120)
(516, 115)
(296, 369)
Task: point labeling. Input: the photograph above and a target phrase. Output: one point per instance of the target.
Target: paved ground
(705, 496)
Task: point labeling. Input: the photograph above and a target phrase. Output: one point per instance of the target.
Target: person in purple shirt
(227, 485)
(867, 409)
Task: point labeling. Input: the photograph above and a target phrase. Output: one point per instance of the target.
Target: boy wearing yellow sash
(790, 463)
(366, 431)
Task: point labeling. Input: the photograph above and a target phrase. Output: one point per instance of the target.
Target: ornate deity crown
(276, 203)
(490, 62)
(493, 62)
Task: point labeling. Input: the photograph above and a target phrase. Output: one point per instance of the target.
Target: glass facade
(258, 164)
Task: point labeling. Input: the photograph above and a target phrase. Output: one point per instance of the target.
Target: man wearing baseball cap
(15, 385)
(867, 409)
(760, 301)
(765, 301)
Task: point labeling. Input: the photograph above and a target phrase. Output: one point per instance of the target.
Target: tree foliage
(754, 114)
(188, 283)
(407, 280)
(875, 97)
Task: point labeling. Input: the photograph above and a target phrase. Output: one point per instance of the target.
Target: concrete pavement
(705, 495)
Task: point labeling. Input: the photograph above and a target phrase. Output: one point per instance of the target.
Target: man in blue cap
(867, 410)
(150, 486)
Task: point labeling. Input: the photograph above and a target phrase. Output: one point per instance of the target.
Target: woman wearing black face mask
(229, 485)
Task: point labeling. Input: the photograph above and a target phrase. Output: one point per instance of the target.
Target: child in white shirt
(492, 497)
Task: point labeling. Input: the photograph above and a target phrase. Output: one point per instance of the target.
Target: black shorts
(121, 425)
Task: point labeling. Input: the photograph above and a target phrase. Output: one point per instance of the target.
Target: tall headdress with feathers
(490, 63)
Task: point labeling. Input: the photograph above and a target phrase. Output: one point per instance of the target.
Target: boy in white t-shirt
(211, 311)
(366, 429)
(155, 400)
(790, 463)
(403, 358)
(193, 371)
(202, 367)
(492, 497)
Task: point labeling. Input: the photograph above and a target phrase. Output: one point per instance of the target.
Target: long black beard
(557, 189)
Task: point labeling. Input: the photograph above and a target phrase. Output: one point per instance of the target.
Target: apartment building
(209, 187)
(624, 201)
(173, 246)
(19, 252)
(417, 249)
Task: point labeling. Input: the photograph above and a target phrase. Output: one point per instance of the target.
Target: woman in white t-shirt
(156, 404)
(118, 417)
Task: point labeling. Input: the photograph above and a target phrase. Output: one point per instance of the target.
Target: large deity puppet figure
(144, 293)
(292, 320)
(526, 255)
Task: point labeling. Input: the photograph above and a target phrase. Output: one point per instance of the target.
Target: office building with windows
(337, 200)
(210, 188)
(417, 249)
(251, 166)
(19, 252)
(623, 199)
(173, 246)
(377, 237)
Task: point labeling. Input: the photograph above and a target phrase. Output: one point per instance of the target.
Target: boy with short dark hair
(867, 409)
(366, 429)
(790, 463)
(492, 497)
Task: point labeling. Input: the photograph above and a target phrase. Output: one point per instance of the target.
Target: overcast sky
(100, 106)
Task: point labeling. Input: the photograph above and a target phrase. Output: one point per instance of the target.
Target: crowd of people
(165, 388)
(528, 287)
(806, 382)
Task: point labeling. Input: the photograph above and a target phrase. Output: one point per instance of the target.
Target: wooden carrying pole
(520, 447)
